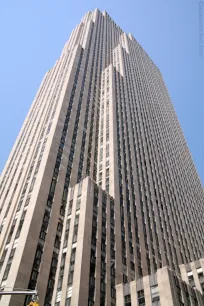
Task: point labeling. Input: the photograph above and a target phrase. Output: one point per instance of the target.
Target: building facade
(102, 111)
(193, 274)
(163, 288)
(86, 260)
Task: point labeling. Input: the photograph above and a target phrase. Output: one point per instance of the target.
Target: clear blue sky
(32, 35)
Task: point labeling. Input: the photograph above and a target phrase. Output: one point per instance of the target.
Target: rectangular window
(70, 207)
(190, 275)
(92, 281)
(27, 201)
(200, 272)
(68, 302)
(141, 298)
(32, 184)
(60, 226)
(113, 292)
(78, 203)
(132, 266)
(76, 221)
(127, 300)
(73, 255)
(19, 205)
(103, 287)
(75, 234)
(70, 278)
(59, 285)
(57, 242)
(6, 271)
(155, 295)
(125, 279)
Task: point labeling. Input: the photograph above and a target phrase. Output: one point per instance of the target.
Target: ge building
(100, 201)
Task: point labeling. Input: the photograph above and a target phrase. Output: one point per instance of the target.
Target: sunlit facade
(102, 122)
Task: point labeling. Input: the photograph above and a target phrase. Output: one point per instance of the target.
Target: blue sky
(33, 34)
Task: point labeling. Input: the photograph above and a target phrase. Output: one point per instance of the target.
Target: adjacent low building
(193, 274)
(165, 288)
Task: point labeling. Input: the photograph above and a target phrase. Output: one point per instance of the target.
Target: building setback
(163, 288)
(101, 120)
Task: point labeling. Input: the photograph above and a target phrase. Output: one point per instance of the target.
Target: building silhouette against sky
(100, 187)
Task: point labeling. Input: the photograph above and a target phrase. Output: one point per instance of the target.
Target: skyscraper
(100, 187)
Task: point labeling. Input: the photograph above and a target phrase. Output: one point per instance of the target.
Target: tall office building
(100, 187)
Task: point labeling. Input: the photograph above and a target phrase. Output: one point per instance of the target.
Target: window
(124, 260)
(6, 271)
(27, 201)
(125, 279)
(20, 225)
(19, 205)
(103, 263)
(34, 275)
(188, 299)
(38, 253)
(90, 303)
(93, 258)
(73, 255)
(141, 298)
(102, 301)
(179, 294)
(127, 300)
(107, 183)
(70, 278)
(42, 235)
(113, 292)
(200, 272)
(2, 258)
(24, 189)
(103, 245)
(80, 188)
(59, 226)
(75, 234)
(68, 302)
(113, 270)
(57, 242)
(70, 207)
(92, 281)
(140, 271)
(59, 285)
(190, 275)
(103, 287)
(76, 221)
(32, 185)
(78, 204)
(95, 204)
(132, 266)
(155, 296)
(11, 232)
